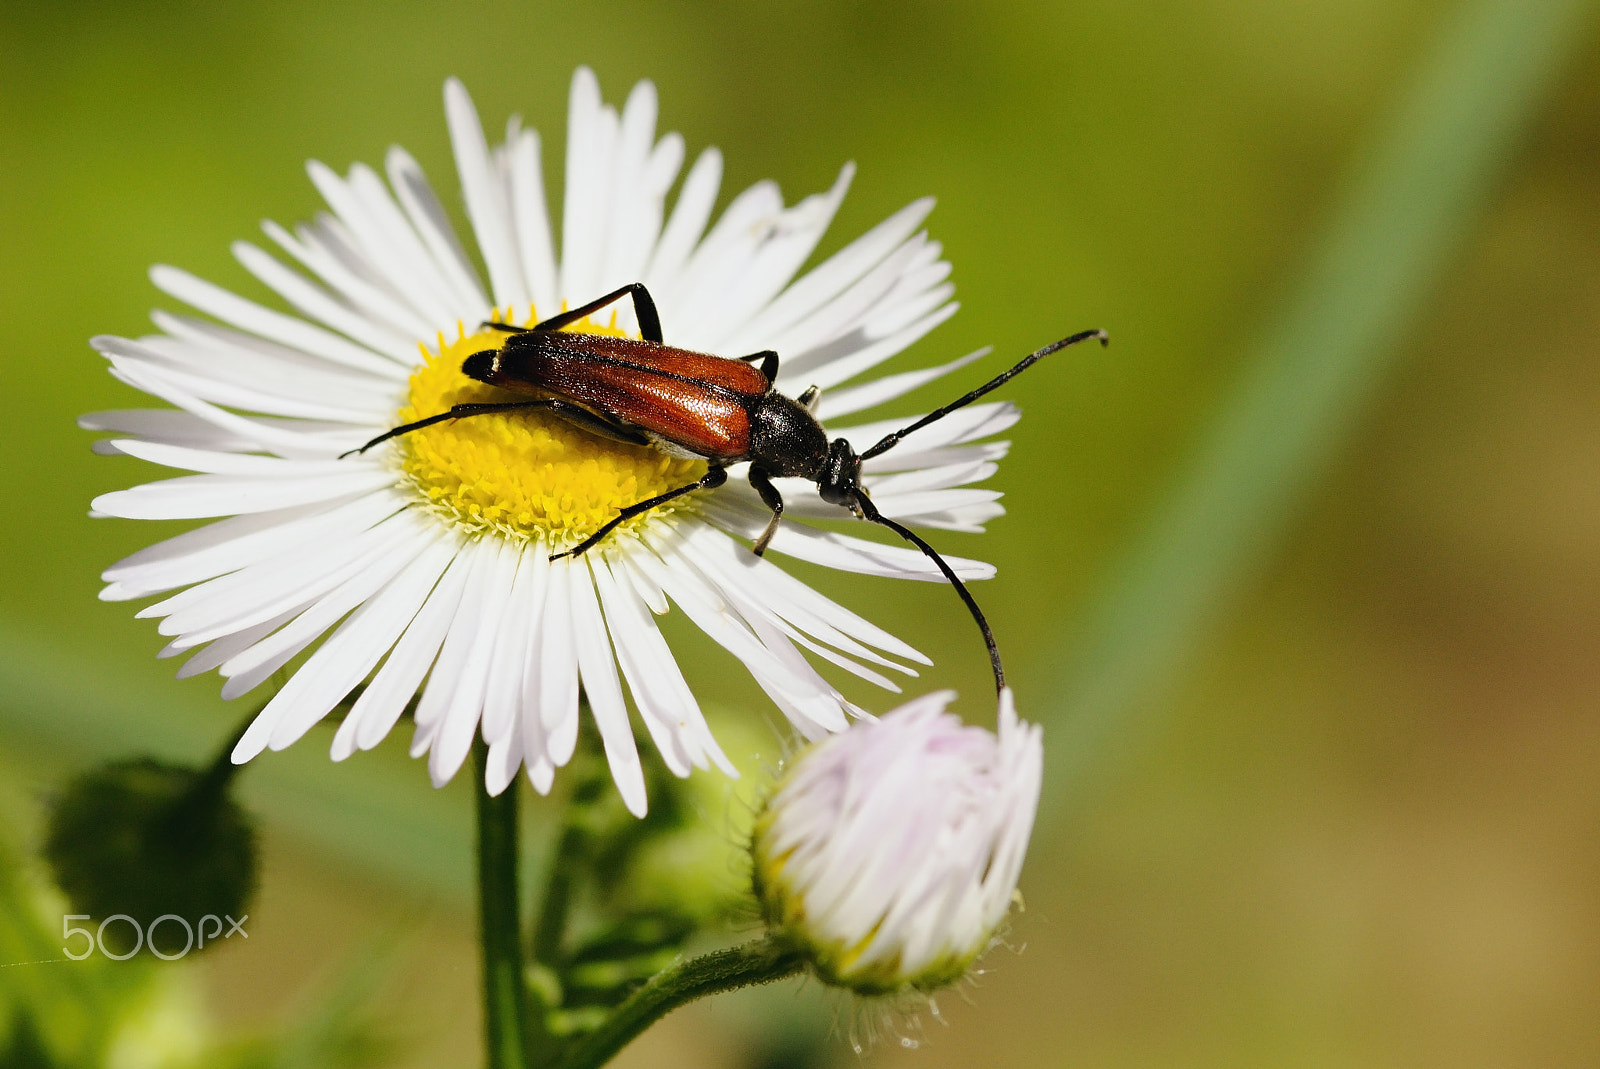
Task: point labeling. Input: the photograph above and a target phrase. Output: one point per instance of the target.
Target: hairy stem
(758, 962)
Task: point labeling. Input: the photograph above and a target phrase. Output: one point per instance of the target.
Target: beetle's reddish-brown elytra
(724, 411)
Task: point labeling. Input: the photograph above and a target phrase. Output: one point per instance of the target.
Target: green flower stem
(198, 803)
(758, 962)
(510, 1032)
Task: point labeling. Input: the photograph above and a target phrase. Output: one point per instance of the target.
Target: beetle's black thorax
(785, 439)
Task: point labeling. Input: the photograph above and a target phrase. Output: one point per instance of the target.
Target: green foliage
(606, 922)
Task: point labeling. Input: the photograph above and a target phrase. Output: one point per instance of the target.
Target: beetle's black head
(839, 481)
(482, 365)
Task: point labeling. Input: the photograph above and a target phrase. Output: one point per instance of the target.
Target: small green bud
(146, 839)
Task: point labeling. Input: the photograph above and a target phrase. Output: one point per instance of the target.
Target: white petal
(369, 235)
(837, 273)
(598, 669)
(844, 552)
(532, 730)
(317, 303)
(505, 757)
(629, 233)
(938, 457)
(213, 654)
(792, 237)
(223, 354)
(841, 327)
(406, 253)
(432, 224)
(558, 666)
(485, 197)
(252, 594)
(969, 520)
(239, 541)
(272, 371)
(689, 217)
(509, 660)
(654, 680)
(791, 600)
(643, 229)
(193, 497)
(935, 477)
(460, 723)
(649, 592)
(866, 395)
(541, 773)
(934, 501)
(274, 326)
(377, 571)
(354, 650)
(162, 424)
(380, 301)
(803, 696)
(844, 368)
(532, 222)
(465, 627)
(717, 263)
(149, 367)
(932, 492)
(215, 463)
(337, 666)
(756, 590)
(962, 425)
(385, 698)
(591, 141)
(286, 438)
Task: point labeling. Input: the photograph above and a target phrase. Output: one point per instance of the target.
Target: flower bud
(889, 854)
(144, 839)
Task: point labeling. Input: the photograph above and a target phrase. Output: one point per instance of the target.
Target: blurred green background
(1301, 575)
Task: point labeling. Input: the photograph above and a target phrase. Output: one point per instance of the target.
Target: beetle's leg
(644, 310)
(454, 413)
(772, 499)
(581, 417)
(713, 477)
(769, 363)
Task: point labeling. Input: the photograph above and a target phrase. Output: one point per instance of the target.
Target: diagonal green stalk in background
(1412, 199)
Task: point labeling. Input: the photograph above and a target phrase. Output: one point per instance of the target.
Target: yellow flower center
(526, 474)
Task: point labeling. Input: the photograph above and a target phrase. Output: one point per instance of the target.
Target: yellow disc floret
(526, 474)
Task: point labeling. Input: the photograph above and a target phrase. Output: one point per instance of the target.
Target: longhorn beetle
(723, 411)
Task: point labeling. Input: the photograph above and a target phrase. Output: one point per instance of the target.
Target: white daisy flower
(889, 855)
(428, 558)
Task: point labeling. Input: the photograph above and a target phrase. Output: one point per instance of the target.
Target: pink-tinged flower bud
(889, 854)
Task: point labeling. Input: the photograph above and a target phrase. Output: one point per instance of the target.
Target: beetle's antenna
(870, 511)
(889, 441)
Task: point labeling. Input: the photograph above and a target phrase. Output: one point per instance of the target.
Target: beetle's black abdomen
(785, 439)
